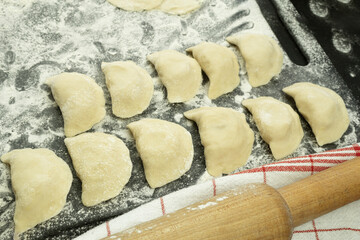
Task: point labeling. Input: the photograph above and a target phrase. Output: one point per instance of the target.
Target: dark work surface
(345, 20)
(47, 28)
(342, 19)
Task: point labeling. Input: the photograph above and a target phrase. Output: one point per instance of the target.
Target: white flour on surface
(354, 71)
(341, 42)
(42, 38)
(344, 1)
(203, 206)
(319, 8)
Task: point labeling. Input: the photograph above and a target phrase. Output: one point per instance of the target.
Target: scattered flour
(344, 1)
(178, 117)
(41, 38)
(208, 204)
(222, 198)
(341, 42)
(203, 206)
(319, 8)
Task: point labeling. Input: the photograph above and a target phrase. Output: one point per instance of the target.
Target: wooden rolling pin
(256, 211)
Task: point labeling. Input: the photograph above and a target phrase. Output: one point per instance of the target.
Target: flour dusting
(319, 8)
(344, 1)
(42, 38)
(341, 42)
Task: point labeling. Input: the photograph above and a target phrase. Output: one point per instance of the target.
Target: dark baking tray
(291, 28)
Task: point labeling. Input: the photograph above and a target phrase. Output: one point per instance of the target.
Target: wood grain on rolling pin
(324, 192)
(256, 211)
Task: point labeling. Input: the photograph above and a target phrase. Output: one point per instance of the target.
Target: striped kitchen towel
(343, 223)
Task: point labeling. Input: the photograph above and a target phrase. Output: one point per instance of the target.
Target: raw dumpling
(180, 74)
(278, 123)
(103, 164)
(179, 6)
(165, 148)
(136, 5)
(226, 137)
(131, 87)
(41, 182)
(220, 65)
(168, 6)
(262, 55)
(322, 108)
(80, 99)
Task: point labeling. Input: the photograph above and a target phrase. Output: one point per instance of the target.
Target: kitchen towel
(343, 223)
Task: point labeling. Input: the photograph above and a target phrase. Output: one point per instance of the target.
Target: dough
(262, 55)
(136, 5)
(322, 108)
(179, 6)
(80, 99)
(226, 137)
(168, 6)
(165, 148)
(278, 123)
(103, 164)
(220, 65)
(131, 88)
(41, 182)
(180, 74)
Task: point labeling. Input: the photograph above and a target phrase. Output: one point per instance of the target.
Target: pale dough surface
(262, 54)
(226, 137)
(168, 6)
(322, 108)
(220, 65)
(278, 123)
(165, 148)
(102, 162)
(180, 74)
(136, 5)
(130, 86)
(179, 6)
(41, 182)
(80, 99)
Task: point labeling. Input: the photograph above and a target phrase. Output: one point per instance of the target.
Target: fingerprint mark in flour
(3, 76)
(341, 42)
(9, 57)
(241, 27)
(318, 8)
(51, 63)
(27, 78)
(234, 24)
(184, 27)
(148, 33)
(11, 100)
(100, 47)
(239, 14)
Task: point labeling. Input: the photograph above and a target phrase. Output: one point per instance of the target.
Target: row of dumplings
(131, 88)
(102, 161)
